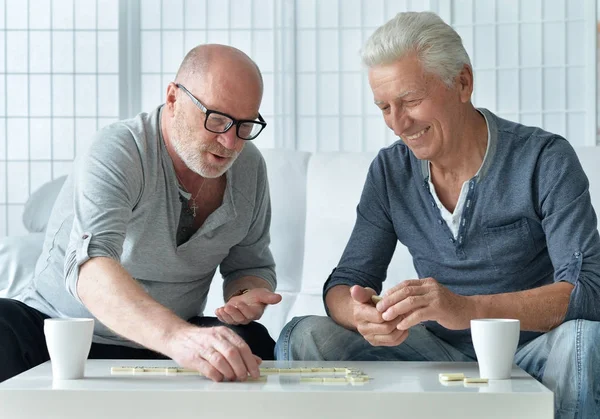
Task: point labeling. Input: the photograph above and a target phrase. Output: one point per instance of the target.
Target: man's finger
(392, 339)
(214, 355)
(234, 312)
(407, 305)
(414, 318)
(266, 297)
(208, 370)
(231, 349)
(223, 316)
(221, 319)
(384, 328)
(370, 317)
(368, 313)
(404, 284)
(247, 358)
(250, 312)
(361, 294)
(392, 298)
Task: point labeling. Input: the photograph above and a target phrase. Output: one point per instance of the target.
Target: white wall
(58, 84)
(170, 28)
(68, 67)
(533, 61)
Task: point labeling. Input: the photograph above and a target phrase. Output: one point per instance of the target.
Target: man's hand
(247, 307)
(119, 301)
(369, 322)
(414, 301)
(217, 352)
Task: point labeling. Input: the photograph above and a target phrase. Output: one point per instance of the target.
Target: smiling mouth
(416, 135)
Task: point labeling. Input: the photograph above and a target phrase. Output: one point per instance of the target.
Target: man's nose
(229, 139)
(401, 121)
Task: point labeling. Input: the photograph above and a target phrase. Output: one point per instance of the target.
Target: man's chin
(212, 171)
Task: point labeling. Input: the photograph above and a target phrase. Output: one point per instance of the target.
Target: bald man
(155, 206)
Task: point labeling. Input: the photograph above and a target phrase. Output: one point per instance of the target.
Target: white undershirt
(453, 218)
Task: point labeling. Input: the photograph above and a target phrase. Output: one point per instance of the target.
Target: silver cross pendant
(193, 207)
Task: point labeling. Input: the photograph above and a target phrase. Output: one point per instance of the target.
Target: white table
(397, 390)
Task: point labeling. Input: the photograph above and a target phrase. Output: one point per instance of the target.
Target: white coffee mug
(495, 342)
(69, 341)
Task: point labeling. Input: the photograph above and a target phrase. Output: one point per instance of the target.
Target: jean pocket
(510, 247)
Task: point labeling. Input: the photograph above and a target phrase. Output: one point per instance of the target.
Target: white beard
(193, 156)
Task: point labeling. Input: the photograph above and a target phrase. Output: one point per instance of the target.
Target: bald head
(208, 59)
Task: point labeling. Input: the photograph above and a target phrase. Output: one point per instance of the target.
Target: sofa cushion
(306, 304)
(39, 205)
(334, 186)
(18, 256)
(589, 158)
(287, 182)
(286, 171)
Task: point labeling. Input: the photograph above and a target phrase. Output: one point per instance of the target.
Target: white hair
(438, 47)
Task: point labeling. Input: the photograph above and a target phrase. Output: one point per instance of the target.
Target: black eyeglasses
(219, 122)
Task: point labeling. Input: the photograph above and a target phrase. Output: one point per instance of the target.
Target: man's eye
(414, 102)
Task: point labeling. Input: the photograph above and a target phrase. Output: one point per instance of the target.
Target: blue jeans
(566, 359)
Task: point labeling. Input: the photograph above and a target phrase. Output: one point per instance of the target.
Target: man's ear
(465, 83)
(171, 98)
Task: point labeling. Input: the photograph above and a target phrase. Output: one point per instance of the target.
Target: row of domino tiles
(351, 375)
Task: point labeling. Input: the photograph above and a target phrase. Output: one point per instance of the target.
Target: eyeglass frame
(235, 122)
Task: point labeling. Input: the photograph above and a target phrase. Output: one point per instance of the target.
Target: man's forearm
(339, 303)
(120, 303)
(246, 282)
(539, 309)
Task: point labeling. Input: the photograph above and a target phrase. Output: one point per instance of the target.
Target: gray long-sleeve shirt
(122, 201)
(527, 222)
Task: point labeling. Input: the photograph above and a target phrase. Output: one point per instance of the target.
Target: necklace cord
(194, 206)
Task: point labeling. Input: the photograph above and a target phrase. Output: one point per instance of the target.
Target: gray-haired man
(496, 215)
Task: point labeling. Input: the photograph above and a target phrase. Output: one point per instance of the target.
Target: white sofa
(314, 198)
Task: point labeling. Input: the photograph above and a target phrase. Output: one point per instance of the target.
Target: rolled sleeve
(372, 243)
(570, 226)
(81, 252)
(107, 184)
(252, 256)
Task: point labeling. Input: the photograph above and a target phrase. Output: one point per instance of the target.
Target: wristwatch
(238, 293)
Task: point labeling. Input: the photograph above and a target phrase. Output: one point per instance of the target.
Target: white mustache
(221, 152)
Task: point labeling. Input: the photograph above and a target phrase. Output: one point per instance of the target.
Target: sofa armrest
(18, 257)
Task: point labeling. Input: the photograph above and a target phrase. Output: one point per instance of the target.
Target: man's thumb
(362, 294)
(269, 297)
